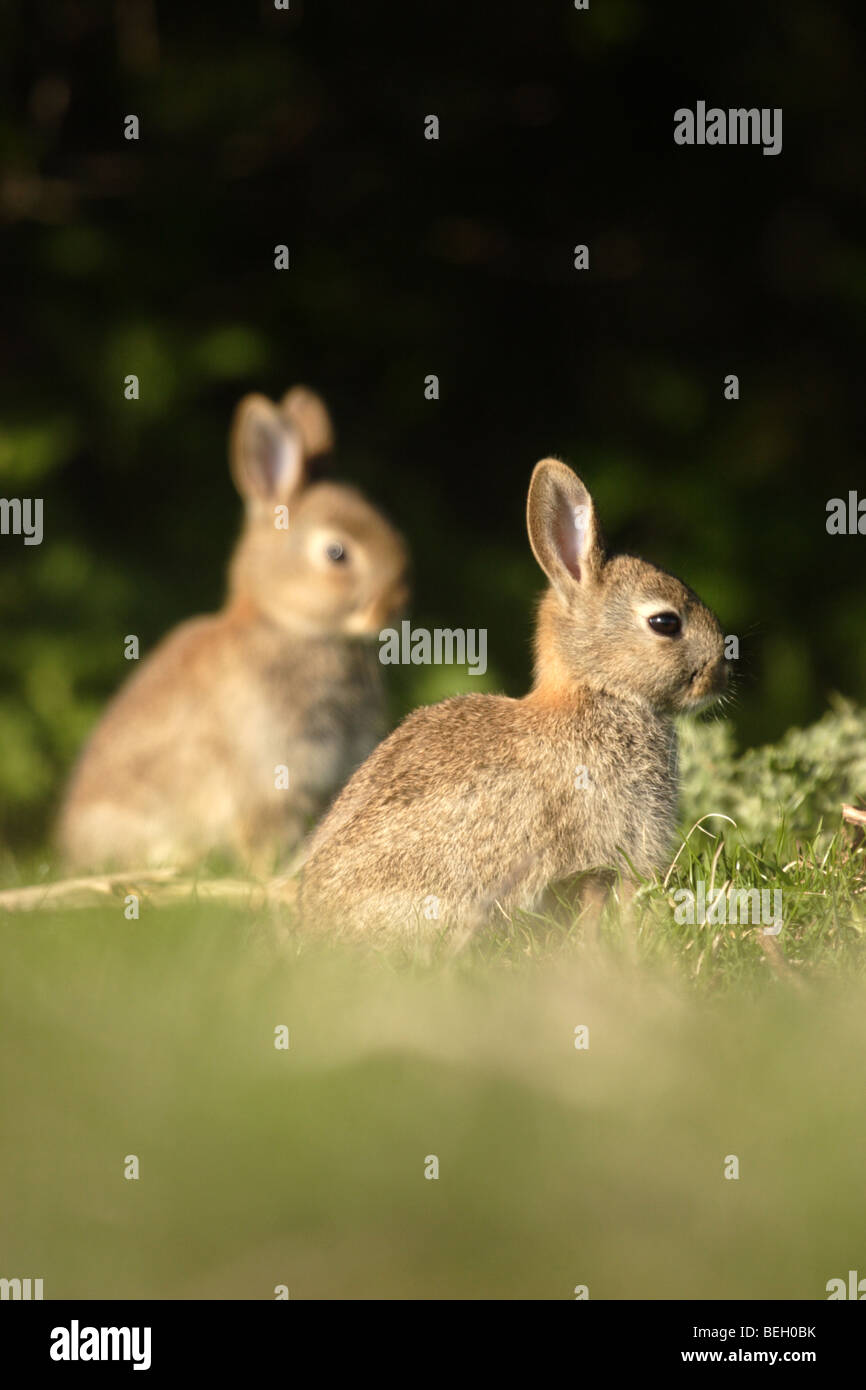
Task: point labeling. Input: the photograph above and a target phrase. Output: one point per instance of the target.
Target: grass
(559, 1166)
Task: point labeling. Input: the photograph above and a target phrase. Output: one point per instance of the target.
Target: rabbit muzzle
(707, 683)
(381, 613)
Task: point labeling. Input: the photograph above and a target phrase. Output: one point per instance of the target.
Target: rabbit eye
(668, 624)
(335, 552)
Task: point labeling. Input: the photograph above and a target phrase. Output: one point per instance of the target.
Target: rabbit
(482, 805)
(281, 686)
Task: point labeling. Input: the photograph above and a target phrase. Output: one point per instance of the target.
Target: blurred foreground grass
(559, 1166)
(305, 1167)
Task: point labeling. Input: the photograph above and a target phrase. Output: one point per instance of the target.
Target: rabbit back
(231, 737)
(477, 805)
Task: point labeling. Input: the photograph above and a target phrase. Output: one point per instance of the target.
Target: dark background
(411, 257)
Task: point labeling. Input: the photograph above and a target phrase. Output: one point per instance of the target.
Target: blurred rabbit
(235, 733)
(483, 804)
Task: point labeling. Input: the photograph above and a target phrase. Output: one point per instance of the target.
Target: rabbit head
(315, 556)
(614, 622)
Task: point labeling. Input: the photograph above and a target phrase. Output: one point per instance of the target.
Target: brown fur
(184, 759)
(474, 802)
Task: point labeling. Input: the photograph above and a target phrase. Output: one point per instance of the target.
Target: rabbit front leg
(263, 843)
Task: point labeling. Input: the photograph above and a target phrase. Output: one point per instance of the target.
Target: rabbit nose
(391, 604)
(399, 598)
(381, 612)
(717, 674)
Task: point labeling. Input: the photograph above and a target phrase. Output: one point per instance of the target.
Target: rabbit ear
(266, 452)
(309, 414)
(563, 530)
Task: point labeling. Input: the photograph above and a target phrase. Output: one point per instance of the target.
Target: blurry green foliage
(801, 781)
